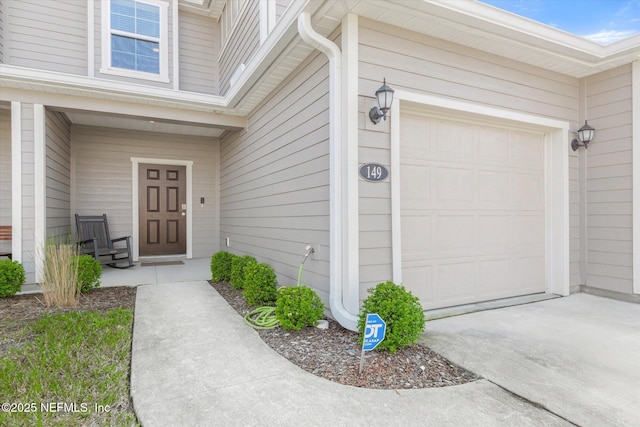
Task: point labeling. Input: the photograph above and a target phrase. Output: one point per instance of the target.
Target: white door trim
(135, 163)
(556, 178)
(635, 96)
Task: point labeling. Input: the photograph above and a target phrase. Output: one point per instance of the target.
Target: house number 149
(373, 172)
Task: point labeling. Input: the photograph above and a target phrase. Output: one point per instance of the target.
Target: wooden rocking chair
(94, 240)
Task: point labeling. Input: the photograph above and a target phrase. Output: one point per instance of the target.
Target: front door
(163, 207)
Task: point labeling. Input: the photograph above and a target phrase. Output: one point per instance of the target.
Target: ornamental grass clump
(298, 307)
(400, 310)
(60, 286)
(221, 266)
(12, 277)
(238, 265)
(260, 284)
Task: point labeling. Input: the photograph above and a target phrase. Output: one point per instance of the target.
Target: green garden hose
(262, 318)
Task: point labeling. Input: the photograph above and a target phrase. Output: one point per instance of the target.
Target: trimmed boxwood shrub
(221, 266)
(400, 310)
(260, 284)
(89, 272)
(12, 277)
(298, 307)
(237, 270)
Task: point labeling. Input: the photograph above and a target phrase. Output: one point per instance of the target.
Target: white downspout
(336, 176)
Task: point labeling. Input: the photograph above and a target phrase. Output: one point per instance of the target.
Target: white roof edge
(11, 75)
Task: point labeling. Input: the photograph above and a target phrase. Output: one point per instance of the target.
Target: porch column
(28, 187)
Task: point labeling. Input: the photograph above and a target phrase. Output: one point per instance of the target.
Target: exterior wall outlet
(228, 242)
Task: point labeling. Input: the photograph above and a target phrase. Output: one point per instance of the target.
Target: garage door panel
(527, 150)
(416, 236)
(527, 233)
(493, 276)
(455, 187)
(527, 191)
(421, 279)
(420, 176)
(527, 273)
(493, 234)
(493, 189)
(455, 235)
(494, 146)
(455, 282)
(455, 142)
(472, 211)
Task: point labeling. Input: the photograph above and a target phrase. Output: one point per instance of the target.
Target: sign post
(374, 330)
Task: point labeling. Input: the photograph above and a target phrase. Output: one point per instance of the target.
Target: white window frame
(163, 42)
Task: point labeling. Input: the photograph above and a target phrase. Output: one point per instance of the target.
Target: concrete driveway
(578, 357)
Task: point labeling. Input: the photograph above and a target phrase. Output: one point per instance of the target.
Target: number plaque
(373, 172)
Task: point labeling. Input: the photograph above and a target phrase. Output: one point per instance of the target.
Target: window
(135, 39)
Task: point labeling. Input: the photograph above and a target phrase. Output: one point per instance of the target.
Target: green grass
(67, 370)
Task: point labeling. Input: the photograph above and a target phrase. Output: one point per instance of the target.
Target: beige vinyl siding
(274, 181)
(58, 173)
(199, 49)
(609, 181)
(48, 35)
(103, 177)
(241, 45)
(5, 173)
(422, 64)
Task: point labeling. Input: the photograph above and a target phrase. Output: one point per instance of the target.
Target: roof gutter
(336, 176)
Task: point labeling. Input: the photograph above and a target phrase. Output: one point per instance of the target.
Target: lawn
(68, 369)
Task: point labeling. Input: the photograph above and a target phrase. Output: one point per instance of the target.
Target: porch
(149, 272)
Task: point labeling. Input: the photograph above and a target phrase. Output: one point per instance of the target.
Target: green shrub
(260, 284)
(221, 266)
(297, 307)
(400, 310)
(89, 272)
(237, 270)
(11, 277)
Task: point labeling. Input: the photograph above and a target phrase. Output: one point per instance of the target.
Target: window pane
(147, 28)
(123, 44)
(123, 23)
(123, 7)
(148, 12)
(123, 60)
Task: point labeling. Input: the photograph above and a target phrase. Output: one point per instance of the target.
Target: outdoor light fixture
(384, 95)
(585, 135)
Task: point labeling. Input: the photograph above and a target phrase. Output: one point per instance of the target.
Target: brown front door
(163, 221)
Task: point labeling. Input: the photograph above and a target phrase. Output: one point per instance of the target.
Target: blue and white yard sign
(374, 331)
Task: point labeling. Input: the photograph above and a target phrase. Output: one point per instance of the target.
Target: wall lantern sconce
(384, 95)
(585, 135)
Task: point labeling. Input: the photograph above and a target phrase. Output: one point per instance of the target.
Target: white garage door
(472, 211)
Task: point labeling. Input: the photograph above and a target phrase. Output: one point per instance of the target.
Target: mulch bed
(334, 354)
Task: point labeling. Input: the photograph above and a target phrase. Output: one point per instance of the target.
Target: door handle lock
(184, 213)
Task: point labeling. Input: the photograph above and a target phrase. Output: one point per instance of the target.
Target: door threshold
(440, 313)
(162, 258)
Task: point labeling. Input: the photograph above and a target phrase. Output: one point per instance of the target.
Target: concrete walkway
(195, 363)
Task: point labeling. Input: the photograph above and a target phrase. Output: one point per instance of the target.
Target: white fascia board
(123, 90)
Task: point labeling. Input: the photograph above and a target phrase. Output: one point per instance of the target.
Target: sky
(602, 21)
